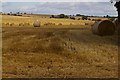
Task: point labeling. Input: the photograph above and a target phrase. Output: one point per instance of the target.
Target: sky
(57, 0)
(69, 8)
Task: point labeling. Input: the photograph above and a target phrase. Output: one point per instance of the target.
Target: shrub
(84, 17)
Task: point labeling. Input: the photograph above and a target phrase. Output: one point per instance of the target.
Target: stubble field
(67, 50)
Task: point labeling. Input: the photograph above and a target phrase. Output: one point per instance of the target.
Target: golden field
(56, 51)
(43, 19)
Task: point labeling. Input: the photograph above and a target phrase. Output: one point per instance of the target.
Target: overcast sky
(57, 0)
(85, 8)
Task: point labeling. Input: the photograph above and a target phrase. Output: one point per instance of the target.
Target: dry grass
(20, 19)
(58, 52)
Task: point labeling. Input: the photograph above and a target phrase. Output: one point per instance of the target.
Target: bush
(78, 15)
(84, 17)
(52, 16)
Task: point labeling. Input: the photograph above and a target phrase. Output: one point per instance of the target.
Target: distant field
(30, 19)
(56, 50)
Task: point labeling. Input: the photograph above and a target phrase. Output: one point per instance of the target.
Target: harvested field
(59, 39)
(58, 52)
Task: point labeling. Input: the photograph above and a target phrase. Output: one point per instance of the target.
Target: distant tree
(107, 16)
(84, 17)
(78, 15)
(62, 15)
(17, 12)
(117, 5)
(10, 12)
(104, 16)
(52, 16)
(25, 13)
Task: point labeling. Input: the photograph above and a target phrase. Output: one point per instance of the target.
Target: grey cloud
(88, 8)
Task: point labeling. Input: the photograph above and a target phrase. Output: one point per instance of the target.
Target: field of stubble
(58, 52)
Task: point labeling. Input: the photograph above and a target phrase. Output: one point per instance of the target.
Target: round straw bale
(21, 24)
(103, 28)
(86, 24)
(11, 24)
(60, 24)
(7, 24)
(45, 24)
(36, 23)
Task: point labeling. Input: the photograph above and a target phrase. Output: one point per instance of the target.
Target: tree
(62, 15)
(117, 5)
(78, 15)
(10, 12)
(17, 12)
(107, 16)
(25, 13)
(52, 16)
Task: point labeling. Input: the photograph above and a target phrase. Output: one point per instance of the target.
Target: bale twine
(103, 28)
(36, 23)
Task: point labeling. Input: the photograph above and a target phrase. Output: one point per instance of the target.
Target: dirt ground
(58, 52)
